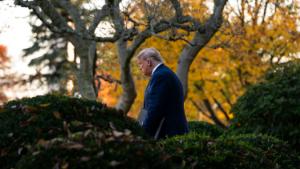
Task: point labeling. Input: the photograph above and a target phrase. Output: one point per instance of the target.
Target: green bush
(272, 106)
(205, 128)
(95, 149)
(230, 152)
(29, 122)
(61, 132)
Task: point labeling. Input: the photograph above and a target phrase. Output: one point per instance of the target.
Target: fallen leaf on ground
(57, 115)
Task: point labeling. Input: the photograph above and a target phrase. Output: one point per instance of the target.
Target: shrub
(272, 106)
(61, 132)
(230, 152)
(95, 149)
(205, 128)
(29, 122)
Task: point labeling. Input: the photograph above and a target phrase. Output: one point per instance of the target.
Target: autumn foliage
(4, 60)
(226, 86)
(3, 54)
(255, 36)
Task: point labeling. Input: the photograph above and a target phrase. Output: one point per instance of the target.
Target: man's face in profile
(145, 66)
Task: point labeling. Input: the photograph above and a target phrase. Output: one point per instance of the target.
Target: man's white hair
(150, 53)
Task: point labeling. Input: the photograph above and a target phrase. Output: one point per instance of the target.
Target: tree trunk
(200, 39)
(86, 50)
(187, 56)
(129, 92)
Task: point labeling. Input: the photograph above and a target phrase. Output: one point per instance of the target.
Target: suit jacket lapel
(147, 90)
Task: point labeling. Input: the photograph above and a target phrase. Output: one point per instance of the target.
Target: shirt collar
(156, 67)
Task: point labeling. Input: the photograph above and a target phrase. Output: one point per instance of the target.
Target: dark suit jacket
(164, 100)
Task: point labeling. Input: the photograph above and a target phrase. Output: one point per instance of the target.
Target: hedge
(230, 152)
(54, 131)
(272, 106)
(35, 121)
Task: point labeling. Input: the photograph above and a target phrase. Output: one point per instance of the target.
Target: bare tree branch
(201, 38)
(130, 19)
(46, 12)
(140, 38)
(73, 12)
(108, 78)
(226, 97)
(116, 17)
(53, 14)
(222, 109)
(212, 113)
(210, 109)
(265, 11)
(177, 8)
(200, 109)
(46, 20)
(99, 16)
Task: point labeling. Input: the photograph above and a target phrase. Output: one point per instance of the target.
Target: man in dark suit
(163, 111)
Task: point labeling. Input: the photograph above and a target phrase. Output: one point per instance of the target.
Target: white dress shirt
(155, 68)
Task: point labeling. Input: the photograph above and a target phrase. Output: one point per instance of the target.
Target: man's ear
(149, 62)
